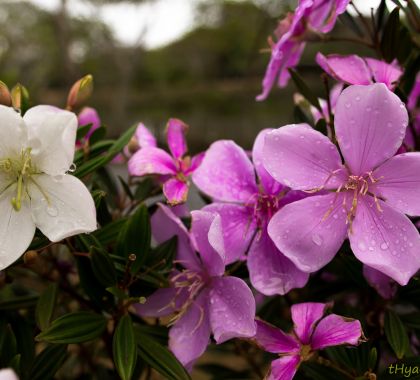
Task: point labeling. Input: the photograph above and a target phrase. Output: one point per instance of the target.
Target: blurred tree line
(209, 77)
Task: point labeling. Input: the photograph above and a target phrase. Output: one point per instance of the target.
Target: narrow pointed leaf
(396, 334)
(48, 362)
(124, 348)
(45, 306)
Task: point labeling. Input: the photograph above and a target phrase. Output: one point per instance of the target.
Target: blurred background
(198, 60)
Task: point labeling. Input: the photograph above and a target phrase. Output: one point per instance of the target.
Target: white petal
(52, 137)
(16, 229)
(13, 133)
(68, 210)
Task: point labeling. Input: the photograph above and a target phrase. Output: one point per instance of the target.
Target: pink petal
(335, 330)
(385, 240)
(274, 340)
(226, 173)
(162, 302)
(195, 163)
(384, 72)
(370, 124)
(88, 115)
(151, 161)
(270, 271)
(232, 309)
(207, 237)
(267, 181)
(383, 284)
(350, 69)
(399, 182)
(414, 95)
(238, 228)
(284, 368)
(324, 14)
(310, 231)
(302, 158)
(305, 316)
(144, 137)
(189, 337)
(165, 225)
(176, 191)
(176, 130)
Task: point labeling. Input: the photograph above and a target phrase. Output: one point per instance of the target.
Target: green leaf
(82, 131)
(159, 357)
(45, 306)
(7, 345)
(316, 371)
(103, 267)
(48, 362)
(348, 20)
(395, 333)
(97, 135)
(124, 348)
(109, 233)
(99, 161)
(390, 37)
(373, 358)
(134, 238)
(163, 255)
(21, 302)
(305, 90)
(76, 327)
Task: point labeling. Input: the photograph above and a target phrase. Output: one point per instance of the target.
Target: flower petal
(165, 225)
(305, 316)
(190, 335)
(52, 137)
(226, 173)
(385, 240)
(267, 181)
(8, 374)
(383, 72)
(176, 191)
(13, 132)
(334, 330)
(17, 229)
(195, 163)
(176, 130)
(232, 309)
(284, 368)
(370, 124)
(207, 236)
(151, 161)
(162, 302)
(399, 182)
(64, 208)
(144, 137)
(238, 228)
(274, 340)
(270, 271)
(89, 115)
(383, 284)
(350, 69)
(302, 158)
(310, 231)
(324, 14)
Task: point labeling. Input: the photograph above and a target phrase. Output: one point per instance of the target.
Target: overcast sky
(159, 22)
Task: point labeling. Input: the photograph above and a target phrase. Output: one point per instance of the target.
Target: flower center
(264, 206)
(305, 352)
(20, 171)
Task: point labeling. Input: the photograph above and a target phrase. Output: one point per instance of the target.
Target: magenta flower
(369, 194)
(178, 167)
(317, 16)
(313, 330)
(352, 69)
(245, 207)
(88, 115)
(412, 105)
(384, 285)
(334, 94)
(204, 300)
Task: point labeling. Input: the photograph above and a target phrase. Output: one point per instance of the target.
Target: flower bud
(80, 92)
(20, 97)
(5, 97)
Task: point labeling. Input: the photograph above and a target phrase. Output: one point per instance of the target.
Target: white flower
(8, 374)
(36, 151)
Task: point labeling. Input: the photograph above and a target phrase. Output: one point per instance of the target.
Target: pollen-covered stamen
(263, 206)
(192, 282)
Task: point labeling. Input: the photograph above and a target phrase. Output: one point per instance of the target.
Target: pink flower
(384, 285)
(204, 300)
(353, 69)
(317, 16)
(313, 330)
(412, 105)
(369, 194)
(334, 94)
(246, 197)
(176, 167)
(87, 116)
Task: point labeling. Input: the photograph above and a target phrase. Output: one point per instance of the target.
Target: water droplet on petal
(317, 239)
(384, 246)
(52, 210)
